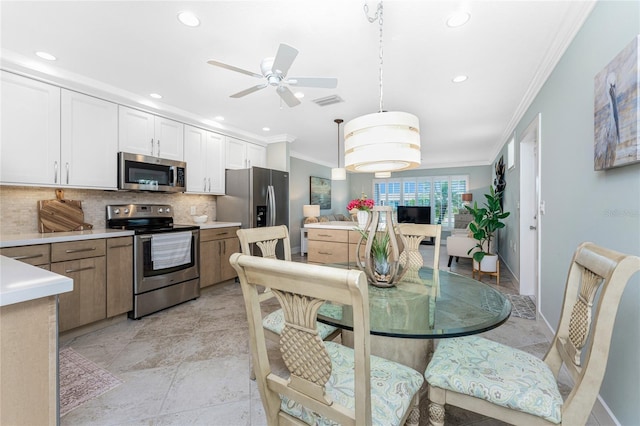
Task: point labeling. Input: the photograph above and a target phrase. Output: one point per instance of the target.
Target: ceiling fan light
(383, 141)
(338, 173)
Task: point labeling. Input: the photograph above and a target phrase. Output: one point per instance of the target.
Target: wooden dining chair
(513, 386)
(412, 235)
(324, 382)
(267, 240)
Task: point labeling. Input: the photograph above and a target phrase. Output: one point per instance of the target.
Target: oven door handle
(144, 237)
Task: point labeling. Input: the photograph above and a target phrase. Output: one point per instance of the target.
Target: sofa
(460, 243)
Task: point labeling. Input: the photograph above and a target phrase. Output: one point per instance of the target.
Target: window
(442, 193)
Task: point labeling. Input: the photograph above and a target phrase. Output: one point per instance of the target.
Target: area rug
(81, 380)
(522, 306)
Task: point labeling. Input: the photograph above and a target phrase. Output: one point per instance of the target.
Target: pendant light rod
(338, 121)
(371, 20)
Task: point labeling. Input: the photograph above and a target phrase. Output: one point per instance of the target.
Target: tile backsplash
(19, 205)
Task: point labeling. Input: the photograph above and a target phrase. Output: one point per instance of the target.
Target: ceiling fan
(274, 71)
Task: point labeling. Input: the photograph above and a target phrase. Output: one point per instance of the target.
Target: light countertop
(21, 282)
(31, 238)
(212, 225)
(340, 224)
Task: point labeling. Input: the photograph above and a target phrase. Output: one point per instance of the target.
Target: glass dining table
(425, 304)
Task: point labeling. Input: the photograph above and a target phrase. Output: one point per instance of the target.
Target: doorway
(529, 210)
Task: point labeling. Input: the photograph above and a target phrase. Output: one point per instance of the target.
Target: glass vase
(380, 257)
(362, 216)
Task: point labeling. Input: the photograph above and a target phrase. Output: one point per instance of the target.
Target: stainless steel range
(166, 266)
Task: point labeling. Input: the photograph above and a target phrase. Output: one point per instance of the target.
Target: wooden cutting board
(61, 215)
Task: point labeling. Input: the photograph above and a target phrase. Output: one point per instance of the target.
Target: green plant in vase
(379, 254)
(486, 221)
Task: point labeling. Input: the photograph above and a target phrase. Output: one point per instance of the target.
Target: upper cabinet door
(215, 163)
(89, 141)
(169, 140)
(236, 153)
(30, 144)
(194, 148)
(256, 155)
(136, 131)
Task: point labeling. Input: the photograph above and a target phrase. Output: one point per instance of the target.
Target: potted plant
(486, 221)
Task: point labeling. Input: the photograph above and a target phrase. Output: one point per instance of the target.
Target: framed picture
(320, 192)
(616, 111)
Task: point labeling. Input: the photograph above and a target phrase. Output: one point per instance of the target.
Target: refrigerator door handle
(271, 203)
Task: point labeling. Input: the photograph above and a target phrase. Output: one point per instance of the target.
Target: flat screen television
(414, 214)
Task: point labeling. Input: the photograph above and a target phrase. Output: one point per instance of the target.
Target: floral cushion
(275, 322)
(393, 386)
(497, 373)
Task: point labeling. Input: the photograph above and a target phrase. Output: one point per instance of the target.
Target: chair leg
(414, 412)
(450, 259)
(436, 414)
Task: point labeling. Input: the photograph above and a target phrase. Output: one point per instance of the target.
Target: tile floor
(189, 365)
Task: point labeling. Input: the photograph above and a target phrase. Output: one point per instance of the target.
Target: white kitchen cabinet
(148, 134)
(204, 155)
(89, 143)
(242, 155)
(30, 144)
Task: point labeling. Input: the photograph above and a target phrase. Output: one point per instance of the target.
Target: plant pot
(362, 217)
(489, 263)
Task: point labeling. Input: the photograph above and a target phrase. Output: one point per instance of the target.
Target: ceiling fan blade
(287, 96)
(245, 92)
(232, 68)
(324, 82)
(284, 58)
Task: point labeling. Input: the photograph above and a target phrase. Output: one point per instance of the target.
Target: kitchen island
(332, 242)
(29, 343)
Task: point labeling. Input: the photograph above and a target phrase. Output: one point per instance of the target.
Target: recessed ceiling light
(45, 55)
(266, 129)
(155, 96)
(220, 118)
(188, 19)
(459, 78)
(299, 95)
(458, 19)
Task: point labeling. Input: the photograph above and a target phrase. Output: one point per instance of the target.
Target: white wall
(585, 205)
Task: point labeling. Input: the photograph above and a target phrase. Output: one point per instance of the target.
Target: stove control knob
(116, 211)
(126, 211)
(167, 210)
(160, 210)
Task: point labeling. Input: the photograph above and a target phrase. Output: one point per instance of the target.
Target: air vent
(328, 100)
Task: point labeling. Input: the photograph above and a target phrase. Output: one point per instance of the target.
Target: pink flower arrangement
(362, 203)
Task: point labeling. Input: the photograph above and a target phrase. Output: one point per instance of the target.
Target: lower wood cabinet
(84, 262)
(332, 245)
(119, 275)
(37, 255)
(216, 245)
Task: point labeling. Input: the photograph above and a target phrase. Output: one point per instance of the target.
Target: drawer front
(61, 252)
(218, 233)
(333, 235)
(33, 255)
(325, 252)
(354, 237)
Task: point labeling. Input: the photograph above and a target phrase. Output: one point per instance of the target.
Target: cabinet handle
(325, 252)
(204, 181)
(222, 233)
(67, 166)
(151, 146)
(209, 184)
(80, 250)
(121, 246)
(68, 271)
(325, 235)
(55, 172)
(28, 256)
(158, 147)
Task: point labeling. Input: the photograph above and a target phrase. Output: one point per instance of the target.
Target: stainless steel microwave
(144, 173)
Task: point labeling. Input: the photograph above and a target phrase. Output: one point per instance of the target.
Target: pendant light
(338, 173)
(382, 141)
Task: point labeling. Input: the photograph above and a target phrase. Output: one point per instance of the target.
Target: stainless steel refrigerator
(256, 197)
